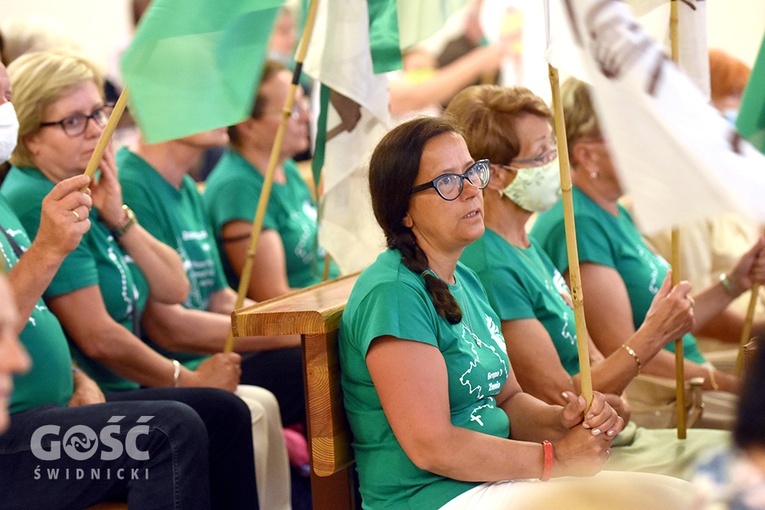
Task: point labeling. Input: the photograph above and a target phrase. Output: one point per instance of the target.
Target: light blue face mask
(731, 114)
(535, 189)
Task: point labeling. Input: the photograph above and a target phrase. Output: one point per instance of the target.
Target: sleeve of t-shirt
(142, 201)
(77, 271)
(593, 242)
(506, 293)
(395, 309)
(240, 203)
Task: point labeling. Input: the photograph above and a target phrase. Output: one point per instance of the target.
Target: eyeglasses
(298, 107)
(533, 162)
(449, 186)
(76, 124)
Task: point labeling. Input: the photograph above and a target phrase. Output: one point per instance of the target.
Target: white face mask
(9, 130)
(536, 189)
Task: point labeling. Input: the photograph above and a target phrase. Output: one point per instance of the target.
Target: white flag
(339, 57)
(676, 156)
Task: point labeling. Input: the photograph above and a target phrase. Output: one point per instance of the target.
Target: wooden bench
(314, 313)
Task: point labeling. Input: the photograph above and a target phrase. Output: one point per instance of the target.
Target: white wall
(736, 26)
(98, 26)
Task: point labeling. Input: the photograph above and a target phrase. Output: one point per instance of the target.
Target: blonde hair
(40, 79)
(486, 115)
(579, 112)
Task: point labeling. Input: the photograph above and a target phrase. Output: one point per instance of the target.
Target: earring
(594, 175)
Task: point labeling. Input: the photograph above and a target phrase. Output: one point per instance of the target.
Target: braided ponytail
(393, 169)
(415, 259)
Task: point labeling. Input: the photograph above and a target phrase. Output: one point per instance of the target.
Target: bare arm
(59, 233)
(411, 380)
(713, 318)
(610, 324)
(269, 267)
(83, 315)
(177, 328)
(445, 82)
(160, 264)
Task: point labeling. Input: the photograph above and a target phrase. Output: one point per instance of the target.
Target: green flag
(194, 65)
(750, 122)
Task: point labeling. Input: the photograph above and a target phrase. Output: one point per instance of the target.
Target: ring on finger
(76, 215)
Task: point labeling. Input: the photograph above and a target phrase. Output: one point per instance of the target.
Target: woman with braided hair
(437, 415)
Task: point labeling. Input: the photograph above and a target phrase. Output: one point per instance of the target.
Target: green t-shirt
(232, 192)
(98, 260)
(389, 299)
(522, 283)
(49, 379)
(615, 242)
(178, 219)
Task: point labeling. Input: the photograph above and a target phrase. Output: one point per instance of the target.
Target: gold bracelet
(632, 353)
(176, 373)
(712, 380)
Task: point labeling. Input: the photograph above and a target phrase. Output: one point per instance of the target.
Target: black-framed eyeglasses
(533, 162)
(449, 186)
(76, 124)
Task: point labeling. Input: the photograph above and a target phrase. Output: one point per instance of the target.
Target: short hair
(486, 116)
(727, 74)
(39, 79)
(270, 69)
(579, 112)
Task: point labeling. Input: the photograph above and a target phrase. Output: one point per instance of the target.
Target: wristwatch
(128, 222)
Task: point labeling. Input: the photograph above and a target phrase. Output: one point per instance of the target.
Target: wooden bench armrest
(314, 313)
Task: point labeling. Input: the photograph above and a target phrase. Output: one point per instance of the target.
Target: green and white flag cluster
(354, 43)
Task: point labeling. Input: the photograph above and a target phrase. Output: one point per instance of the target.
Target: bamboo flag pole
(582, 344)
(747, 328)
(268, 181)
(679, 351)
(106, 134)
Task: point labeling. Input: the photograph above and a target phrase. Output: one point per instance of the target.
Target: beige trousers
(272, 472)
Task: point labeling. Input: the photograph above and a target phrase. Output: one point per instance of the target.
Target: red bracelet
(547, 446)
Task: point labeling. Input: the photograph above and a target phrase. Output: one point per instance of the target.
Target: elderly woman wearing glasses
(432, 400)
(94, 292)
(511, 125)
(287, 255)
(621, 274)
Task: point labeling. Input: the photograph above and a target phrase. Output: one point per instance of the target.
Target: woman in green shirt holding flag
(435, 409)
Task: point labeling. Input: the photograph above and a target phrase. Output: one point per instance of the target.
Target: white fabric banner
(677, 157)
(339, 57)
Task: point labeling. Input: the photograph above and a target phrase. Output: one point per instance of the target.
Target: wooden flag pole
(679, 351)
(747, 330)
(582, 344)
(265, 193)
(106, 134)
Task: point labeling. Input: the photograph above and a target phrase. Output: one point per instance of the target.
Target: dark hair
(270, 69)
(750, 427)
(393, 170)
(487, 115)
